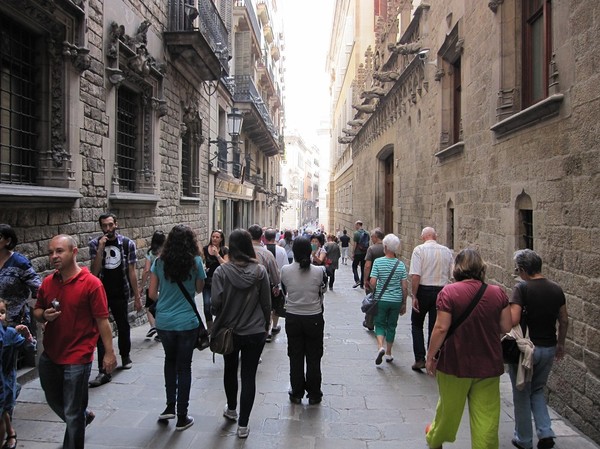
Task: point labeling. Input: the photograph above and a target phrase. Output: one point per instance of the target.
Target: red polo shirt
(72, 337)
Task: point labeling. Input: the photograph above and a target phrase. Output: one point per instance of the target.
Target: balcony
(268, 33)
(197, 39)
(263, 12)
(248, 20)
(258, 124)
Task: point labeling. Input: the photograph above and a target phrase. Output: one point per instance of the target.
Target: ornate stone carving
(410, 48)
(386, 77)
(345, 140)
(356, 122)
(350, 132)
(367, 108)
(493, 5)
(160, 106)
(375, 92)
(80, 56)
(439, 74)
(193, 123)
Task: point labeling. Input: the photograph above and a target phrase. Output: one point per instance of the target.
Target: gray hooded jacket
(241, 294)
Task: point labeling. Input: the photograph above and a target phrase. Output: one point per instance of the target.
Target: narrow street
(364, 406)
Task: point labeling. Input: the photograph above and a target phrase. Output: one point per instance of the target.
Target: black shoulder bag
(510, 349)
(369, 302)
(203, 341)
(463, 317)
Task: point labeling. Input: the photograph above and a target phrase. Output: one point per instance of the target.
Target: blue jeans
(66, 390)
(531, 399)
(427, 295)
(179, 349)
(206, 295)
(250, 347)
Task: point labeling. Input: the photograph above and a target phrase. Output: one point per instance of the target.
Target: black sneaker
(169, 412)
(151, 332)
(356, 285)
(101, 379)
(294, 399)
(276, 329)
(184, 422)
(546, 443)
(314, 401)
(89, 417)
(126, 363)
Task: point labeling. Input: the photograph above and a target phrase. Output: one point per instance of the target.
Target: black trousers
(305, 344)
(118, 308)
(359, 259)
(427, 296)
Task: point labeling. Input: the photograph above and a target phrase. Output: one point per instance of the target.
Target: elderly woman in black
(304, 324)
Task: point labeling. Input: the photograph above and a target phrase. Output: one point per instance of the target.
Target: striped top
(382, 267)
(433, 262)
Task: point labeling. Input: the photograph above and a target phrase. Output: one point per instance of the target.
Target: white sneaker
(230, 414)
(242, 432)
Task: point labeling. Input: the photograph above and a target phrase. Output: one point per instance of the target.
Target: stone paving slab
(364, 406)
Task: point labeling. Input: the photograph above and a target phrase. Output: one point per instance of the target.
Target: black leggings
(251, 347)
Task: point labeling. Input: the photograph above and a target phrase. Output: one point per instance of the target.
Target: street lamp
(235, 119)
(279, 188)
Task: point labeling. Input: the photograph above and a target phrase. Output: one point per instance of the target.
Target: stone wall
(554, 162)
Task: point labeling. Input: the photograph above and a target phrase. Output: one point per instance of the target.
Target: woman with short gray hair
(392, 302)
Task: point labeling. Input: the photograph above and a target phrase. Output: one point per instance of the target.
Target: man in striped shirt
(430, 270)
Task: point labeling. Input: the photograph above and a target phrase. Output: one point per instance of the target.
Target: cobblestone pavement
(364, 406)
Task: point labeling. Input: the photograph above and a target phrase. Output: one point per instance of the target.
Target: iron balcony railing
(246, 91)
(202, 16)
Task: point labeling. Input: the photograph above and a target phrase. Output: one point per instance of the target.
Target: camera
(55, 304)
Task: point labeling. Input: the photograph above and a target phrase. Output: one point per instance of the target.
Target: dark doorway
(389, 195)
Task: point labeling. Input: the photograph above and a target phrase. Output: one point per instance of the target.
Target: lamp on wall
(235, 119)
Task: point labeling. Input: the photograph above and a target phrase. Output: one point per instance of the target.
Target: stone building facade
(118, 105)
(481, 119)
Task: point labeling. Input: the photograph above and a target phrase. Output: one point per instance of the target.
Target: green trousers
(484, 410)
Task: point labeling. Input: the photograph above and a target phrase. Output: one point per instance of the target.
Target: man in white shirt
(430, 270)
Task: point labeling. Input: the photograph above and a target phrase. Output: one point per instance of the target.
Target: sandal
(8, 438)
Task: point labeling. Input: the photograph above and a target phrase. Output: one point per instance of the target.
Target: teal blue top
(381, 270)
(173, 311)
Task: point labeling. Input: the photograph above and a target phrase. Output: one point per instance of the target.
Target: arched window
(524, 222)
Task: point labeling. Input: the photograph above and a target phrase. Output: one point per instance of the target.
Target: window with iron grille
(525, 229)
(18, 103)
(128, 111)
(186, 165)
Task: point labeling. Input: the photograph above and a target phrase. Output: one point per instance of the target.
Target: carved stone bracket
(160, 106)
(439, 74)
(494, 4)
(115, 76)
(80, 56)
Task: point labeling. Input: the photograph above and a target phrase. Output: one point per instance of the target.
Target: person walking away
(156, 244)
(361, 244)
(18, 280)
(333, 258)
(277, 302)
(304, 324)
(475, 377)
(215, 253)
(375, 251)
(286, 244)
(114, 261)
(267, 260)
(72, 303)
(13, 340)
(241, 299)
(178, 270)
(545, 304)
(345, 242)
(430, 269)
(392, 303)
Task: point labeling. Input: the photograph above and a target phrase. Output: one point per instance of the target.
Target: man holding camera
(113, 261)
(72, 304)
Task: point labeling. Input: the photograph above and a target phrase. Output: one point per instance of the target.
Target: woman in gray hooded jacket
(241, 299)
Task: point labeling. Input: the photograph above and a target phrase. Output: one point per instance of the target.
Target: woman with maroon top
(470, 363)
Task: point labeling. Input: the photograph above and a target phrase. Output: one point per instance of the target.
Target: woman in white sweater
(304, 324)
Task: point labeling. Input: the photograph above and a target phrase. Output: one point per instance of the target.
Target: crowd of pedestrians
(261, 276)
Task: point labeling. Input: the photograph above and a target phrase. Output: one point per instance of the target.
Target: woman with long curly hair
(241, 299)
(178, 267)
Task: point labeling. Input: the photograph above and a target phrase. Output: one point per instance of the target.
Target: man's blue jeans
(179, 350)
(66, 389)
(531, 399)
